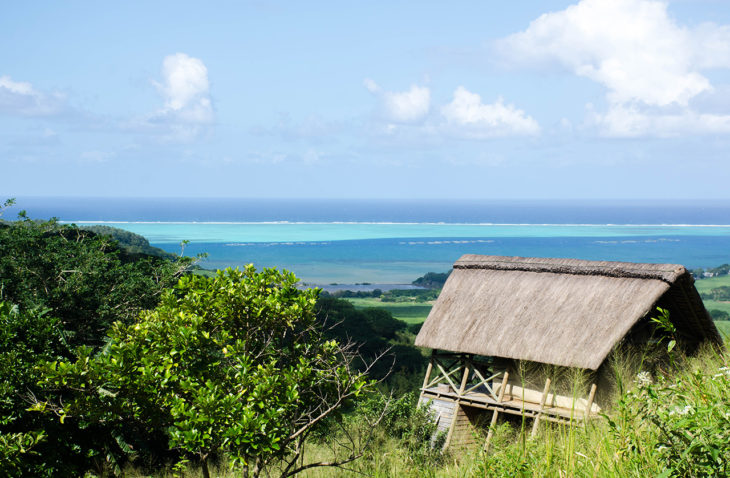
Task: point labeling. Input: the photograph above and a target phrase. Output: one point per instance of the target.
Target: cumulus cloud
(186, 89)
(479, 120)
(187, 111)
(408, 106)
(645, 60)
(21, 98)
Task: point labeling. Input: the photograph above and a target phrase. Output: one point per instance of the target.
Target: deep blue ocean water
(395, 241)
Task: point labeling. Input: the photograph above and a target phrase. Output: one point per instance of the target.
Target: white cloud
(648, 63)
(479, 120)
(188, 110)
(22, 98)
(186, 89)
(631, 121)
(371, 86)
(410, 106)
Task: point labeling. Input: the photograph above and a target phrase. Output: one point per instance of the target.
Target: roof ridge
(668, 273)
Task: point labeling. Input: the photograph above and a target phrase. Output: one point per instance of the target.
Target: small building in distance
(531, 336)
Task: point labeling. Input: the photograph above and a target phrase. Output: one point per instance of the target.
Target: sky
(609, 99)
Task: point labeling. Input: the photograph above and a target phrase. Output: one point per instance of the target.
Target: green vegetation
(60, 288)
(405, 311)
(376, 330)
(432, 280)
(724, 328)
(669, 425)
(719, 314)
(235, 366)
(721, 293)
(129, 242)
(410, 295)
(106, 365)
(705, 287)
(116, 363)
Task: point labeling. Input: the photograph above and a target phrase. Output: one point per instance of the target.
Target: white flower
(724, 372)
(643, 379)
(682, 410)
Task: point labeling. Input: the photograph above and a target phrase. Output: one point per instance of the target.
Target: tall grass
(673, 422)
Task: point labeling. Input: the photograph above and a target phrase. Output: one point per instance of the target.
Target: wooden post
(542, 405)
(465, 378)
(496, 413)
(454, 417)
(428, 375)
(591, 396)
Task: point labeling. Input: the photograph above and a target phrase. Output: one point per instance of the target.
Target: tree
(84, 279)
(236, 365)
(61, 287)
(26, 337)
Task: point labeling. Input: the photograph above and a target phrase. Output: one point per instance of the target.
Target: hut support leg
(464, 378)
(457, 404)
(495, 414)
(545, 392)
(428, 376)
(454, 417)
(591, 396)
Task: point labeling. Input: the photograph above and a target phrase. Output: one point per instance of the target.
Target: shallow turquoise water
(174, 232)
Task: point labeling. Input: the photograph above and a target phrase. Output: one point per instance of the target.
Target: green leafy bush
(235, 365)
(690, 417)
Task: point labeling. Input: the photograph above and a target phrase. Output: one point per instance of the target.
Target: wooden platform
(462, 392)
(516, 407)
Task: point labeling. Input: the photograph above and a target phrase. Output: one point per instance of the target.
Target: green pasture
(410, 312)
(706, 285)
(724, 327)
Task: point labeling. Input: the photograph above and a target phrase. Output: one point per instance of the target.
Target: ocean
(396, 241)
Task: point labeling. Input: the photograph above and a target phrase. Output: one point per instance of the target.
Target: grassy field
(411, 312)
(667, 425)
(705, 285)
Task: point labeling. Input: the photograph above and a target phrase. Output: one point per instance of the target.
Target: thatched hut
(507, 333)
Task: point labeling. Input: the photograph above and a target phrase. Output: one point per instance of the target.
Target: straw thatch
(565, 312)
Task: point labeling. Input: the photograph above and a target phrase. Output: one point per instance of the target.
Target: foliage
(382, 322)
(689, 417)
(25, 338)
(130, 242)
(236, 364)
(60, 287)
(410, 295)
(413, 425)
(392, 295)
(432, 280)
(719, 314)
(16, 451)
(719, 293)
(84, 280)
(375, 330)
(667, 329)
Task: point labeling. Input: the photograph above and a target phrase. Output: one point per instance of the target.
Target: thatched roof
(566, 312)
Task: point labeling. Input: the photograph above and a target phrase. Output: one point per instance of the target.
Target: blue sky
(538, 99)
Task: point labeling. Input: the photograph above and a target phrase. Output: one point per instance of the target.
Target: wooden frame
(466, 381)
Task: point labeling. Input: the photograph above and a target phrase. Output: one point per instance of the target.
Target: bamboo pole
(454, 417)
(495, 414)
(464, 378)
(427, 377)
(591, 397)
(542, 405)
